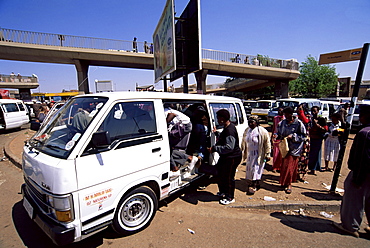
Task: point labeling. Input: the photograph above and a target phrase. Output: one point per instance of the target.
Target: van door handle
(156, 150)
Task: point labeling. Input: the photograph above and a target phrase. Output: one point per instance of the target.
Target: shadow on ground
(323, 196)
(310, 224)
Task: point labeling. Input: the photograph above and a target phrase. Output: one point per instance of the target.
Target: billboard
(104, 86)
(342, 56)
(164, 48)
(4, 94)
(188, 41)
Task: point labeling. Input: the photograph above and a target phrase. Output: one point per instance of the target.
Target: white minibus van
(104, 160)
(262, 108)
(294, 103)
(328, 108)
(13, 114)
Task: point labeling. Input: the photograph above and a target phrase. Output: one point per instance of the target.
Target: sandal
(288, 191)
(251, 191)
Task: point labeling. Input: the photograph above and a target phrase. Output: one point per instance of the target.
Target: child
(332, 145)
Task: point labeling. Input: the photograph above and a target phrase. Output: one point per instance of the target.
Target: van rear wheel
(135, 211)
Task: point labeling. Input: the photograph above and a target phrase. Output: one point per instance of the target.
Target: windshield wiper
(53, 147)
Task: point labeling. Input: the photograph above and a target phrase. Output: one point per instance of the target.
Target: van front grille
(37, 195)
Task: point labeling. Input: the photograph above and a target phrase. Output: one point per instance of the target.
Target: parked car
(248, 106)
(30, 109)
(356, 124)
(262, 108)
(327, 108)
(294, 103)
(13, 114)
(104, 160)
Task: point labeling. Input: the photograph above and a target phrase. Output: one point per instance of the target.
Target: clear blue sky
(279, 29)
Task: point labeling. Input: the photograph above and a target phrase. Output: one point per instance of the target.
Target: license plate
(28, 207)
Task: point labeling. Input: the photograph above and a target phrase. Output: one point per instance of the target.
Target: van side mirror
(100, 139)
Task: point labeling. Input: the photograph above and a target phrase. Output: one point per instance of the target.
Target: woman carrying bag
(295, 132)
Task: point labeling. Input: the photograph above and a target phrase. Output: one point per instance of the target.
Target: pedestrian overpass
(86, 51)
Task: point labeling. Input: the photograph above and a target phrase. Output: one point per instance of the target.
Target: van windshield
(250, 104)
(283, 104)
(263, 105)
(60, 134)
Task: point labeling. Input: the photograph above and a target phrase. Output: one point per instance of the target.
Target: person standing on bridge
(134, 45)
(356, 198)
(146, 47)
(12, 77)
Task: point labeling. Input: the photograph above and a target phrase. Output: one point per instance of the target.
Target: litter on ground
(269, 198)
(326, 215)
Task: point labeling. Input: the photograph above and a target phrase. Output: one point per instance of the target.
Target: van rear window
(228, 106)
(10, 107)
(21, 107)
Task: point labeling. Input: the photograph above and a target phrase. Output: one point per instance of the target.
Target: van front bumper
(59, 234)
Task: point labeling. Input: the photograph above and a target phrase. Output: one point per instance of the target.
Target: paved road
(214, 225)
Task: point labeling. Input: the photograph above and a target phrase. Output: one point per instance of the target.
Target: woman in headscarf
(295, 132)
(256, 147)
(277, 159)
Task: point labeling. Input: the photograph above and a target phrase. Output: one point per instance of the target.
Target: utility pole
(360, 72)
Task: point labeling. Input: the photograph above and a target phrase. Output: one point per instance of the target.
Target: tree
(315, 80)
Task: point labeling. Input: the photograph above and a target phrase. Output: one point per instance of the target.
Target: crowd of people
(41, 110)
(295, 147)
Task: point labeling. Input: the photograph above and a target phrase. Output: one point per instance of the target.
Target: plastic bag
(284, 147)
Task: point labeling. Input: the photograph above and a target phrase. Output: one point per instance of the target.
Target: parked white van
(113, 166)
(328, 108)
(294, 103)
(263, 107)
(13, 114)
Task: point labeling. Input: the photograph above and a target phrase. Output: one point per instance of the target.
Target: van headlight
(61, 208)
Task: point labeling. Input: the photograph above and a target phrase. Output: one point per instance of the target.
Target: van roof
(332, 102)
(266, 100)
(9, 100)
(299, 100)
(157, 95)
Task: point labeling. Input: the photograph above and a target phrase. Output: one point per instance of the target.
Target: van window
(263, 105)
(325, 108)
(10, 107)
(228, 106)
(240, 113)
(129, 120)
(20, 106)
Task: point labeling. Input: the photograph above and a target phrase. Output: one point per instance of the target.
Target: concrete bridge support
(82, 68)
(281, 89)
(201, 77)
(25, 94)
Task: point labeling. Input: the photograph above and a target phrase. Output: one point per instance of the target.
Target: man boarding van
(104, 160)
(13, 114)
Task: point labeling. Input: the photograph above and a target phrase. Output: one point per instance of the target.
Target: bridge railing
(259, 60)
(46, 39)
(28, 37)
(12, 78)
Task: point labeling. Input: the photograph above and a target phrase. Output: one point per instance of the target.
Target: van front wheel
(135, 211)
